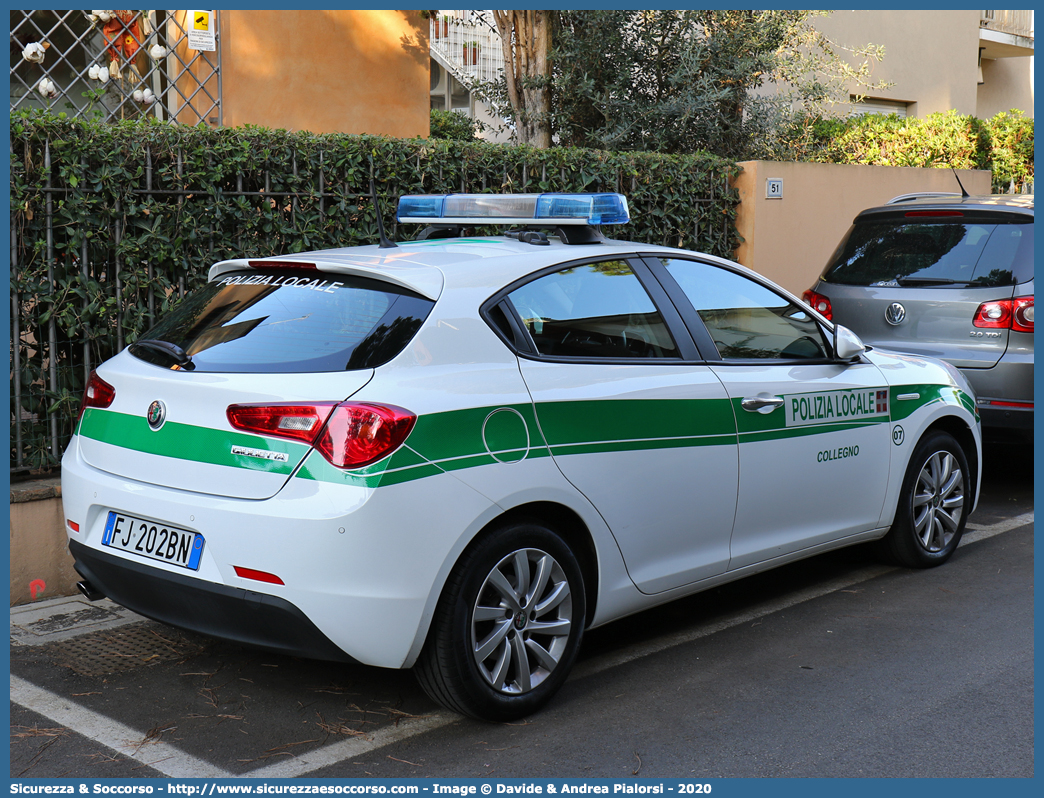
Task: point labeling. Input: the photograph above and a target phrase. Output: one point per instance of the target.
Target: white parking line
(980, 532)
(353, 747)
(167, 759)
(172, 762)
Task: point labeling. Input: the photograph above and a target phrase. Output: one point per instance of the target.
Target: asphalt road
(836, 666)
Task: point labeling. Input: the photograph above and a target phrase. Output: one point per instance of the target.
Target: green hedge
(140, 210)
(1003, 144)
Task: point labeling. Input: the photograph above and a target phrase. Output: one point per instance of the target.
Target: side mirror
(847, 346)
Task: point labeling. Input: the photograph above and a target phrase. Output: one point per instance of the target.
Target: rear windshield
(958, 253)
(285, 322)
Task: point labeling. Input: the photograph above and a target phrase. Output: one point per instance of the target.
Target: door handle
(762, 403)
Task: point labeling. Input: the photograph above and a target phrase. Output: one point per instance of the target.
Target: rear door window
(597, 310)
(285, 323)
(966, 253)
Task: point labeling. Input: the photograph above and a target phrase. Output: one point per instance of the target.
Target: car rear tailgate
(937, 322)
(196, 448)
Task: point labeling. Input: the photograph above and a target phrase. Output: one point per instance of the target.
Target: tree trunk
(526, 38)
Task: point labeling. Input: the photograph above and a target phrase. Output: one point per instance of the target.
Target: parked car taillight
(1011, 314)
(98, 393)
(299, 422)
(819, 303)
(349, 434)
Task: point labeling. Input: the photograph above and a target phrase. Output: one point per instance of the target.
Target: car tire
(499, 645)
(933, 505)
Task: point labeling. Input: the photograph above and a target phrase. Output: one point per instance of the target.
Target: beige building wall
(332, 71)
(932, 58)
(789, 240)
(1007, 83)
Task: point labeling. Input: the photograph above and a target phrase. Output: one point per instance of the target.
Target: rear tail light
(296, 422)
(1008, 314)
(98, 393)
(349, 434)
(819, 303)
(360, 434)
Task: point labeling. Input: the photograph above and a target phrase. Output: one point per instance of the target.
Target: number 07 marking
(898, 435)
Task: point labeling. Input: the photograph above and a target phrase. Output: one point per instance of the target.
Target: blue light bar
(543, 210)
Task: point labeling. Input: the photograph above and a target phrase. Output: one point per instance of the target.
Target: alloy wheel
(521, 621)
(938, 501)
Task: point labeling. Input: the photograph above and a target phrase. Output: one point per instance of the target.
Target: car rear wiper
(905, 281)
(175, 352)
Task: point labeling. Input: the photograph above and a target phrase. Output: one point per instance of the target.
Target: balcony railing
(1017, 23)
(469, 44)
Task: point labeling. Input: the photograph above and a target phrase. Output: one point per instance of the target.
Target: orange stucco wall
(326, 71)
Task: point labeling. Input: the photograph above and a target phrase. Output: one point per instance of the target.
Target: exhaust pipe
(89, 591)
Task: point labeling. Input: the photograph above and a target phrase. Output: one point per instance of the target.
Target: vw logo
(157, 414)
(895, 313)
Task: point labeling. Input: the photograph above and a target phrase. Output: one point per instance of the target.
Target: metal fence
(120, 65)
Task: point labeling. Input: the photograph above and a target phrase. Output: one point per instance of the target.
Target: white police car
(459, 453)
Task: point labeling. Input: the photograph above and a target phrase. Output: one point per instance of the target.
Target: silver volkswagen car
(945, 276)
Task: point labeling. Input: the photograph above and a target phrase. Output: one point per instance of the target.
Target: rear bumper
(1012, 418)
(231, 613)
(1008, 382)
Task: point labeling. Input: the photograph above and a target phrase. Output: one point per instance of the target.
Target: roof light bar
(544, 210)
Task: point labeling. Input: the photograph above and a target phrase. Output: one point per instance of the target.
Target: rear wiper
(173, 351)
(905, 281)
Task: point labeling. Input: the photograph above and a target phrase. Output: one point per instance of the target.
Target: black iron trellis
(185, 84)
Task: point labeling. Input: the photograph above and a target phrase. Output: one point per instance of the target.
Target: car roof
(431, 266)
(989, 203)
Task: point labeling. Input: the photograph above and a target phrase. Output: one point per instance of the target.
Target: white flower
(103, 75)
(158, 51)
(92, 73)
(104, 16)
(34, 53)
(47, 88)
(138, 96)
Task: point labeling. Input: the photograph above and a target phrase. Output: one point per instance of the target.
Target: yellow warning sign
(201, 27)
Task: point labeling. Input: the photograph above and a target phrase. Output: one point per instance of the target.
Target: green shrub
(452, 125)
(1003, 144)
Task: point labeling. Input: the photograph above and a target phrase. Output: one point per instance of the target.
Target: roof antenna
(385, 243)
(964, 194)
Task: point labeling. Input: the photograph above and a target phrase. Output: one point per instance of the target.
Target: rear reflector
(348, 435)
(996, 403)
(258, 576)
(75, 527)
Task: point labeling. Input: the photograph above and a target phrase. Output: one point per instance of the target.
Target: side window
(746, 319)
(598, 310)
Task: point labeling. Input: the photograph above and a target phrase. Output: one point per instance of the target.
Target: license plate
(154, 540)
